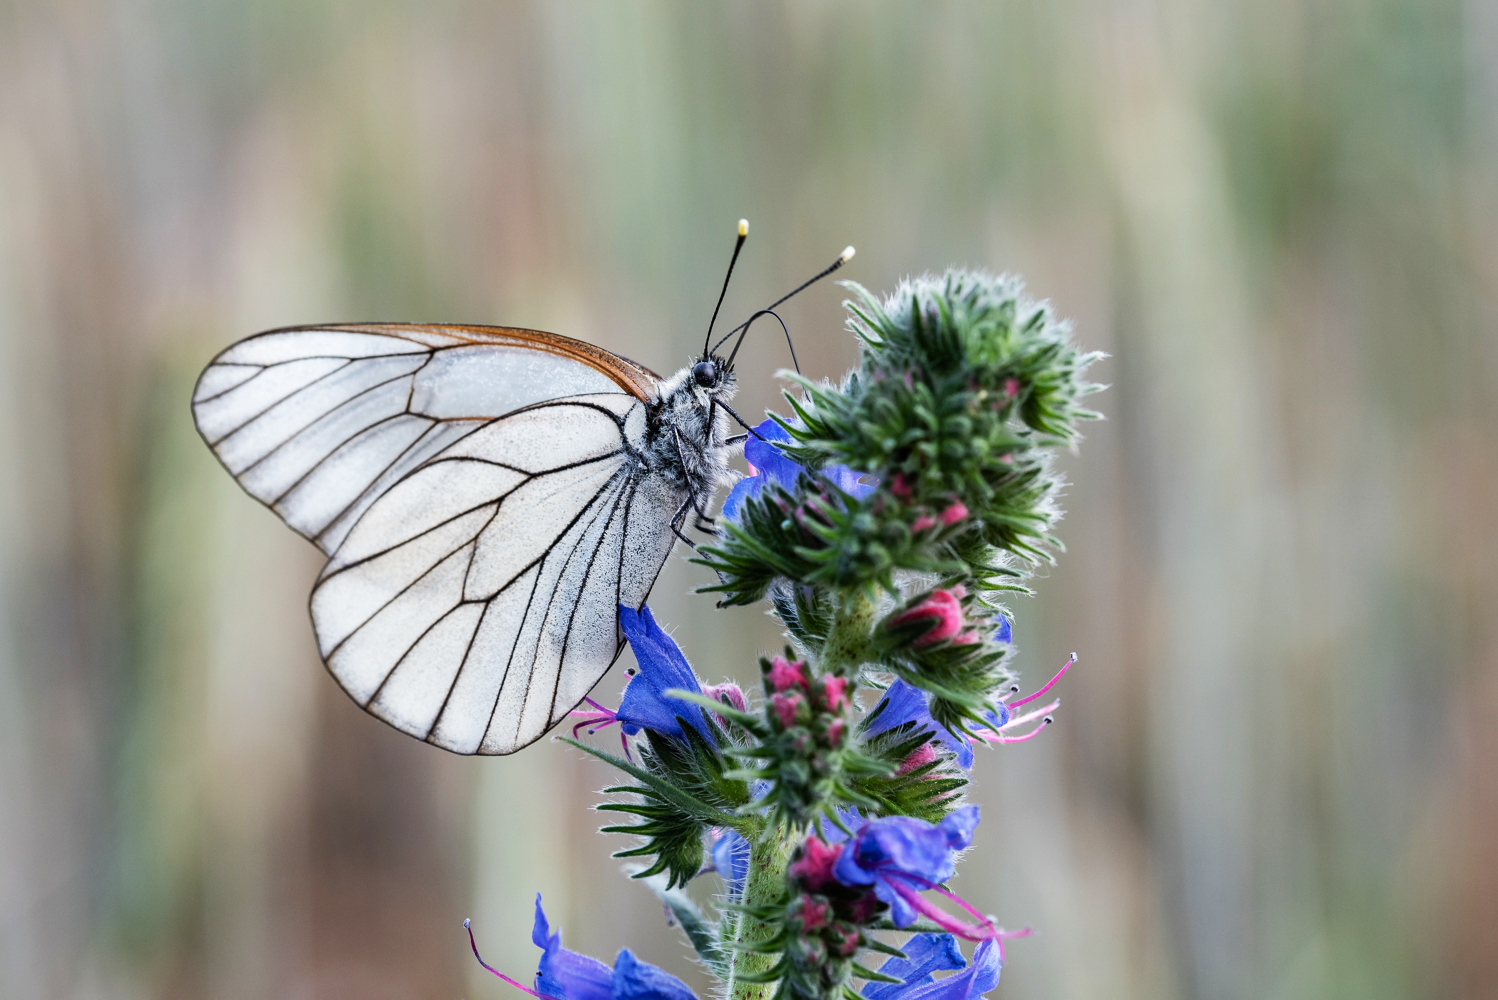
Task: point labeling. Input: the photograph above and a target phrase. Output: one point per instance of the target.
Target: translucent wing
(476, 601)
(318, 422)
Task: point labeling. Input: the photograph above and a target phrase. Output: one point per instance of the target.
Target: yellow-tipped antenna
(842, 259)
(738, 245)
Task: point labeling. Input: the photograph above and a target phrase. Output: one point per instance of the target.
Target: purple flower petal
(924, 954)
(567, 975)
(771, 465)
(847, 480)
(974, 981)
(908, 703)
(731, 859)
(637, 980)
(901, 854)
(663, 667)
(769, 461)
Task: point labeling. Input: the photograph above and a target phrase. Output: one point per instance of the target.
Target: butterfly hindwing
(476, 601)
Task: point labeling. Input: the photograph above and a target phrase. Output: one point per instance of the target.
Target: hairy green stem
(768, 855)
(847, 645)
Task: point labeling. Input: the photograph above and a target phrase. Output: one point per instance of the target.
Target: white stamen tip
(847, 255)
(465, 923)
(1048, 720)
(1074, 657)
(743, 227)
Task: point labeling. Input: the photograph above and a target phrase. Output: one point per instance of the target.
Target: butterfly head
(712, 374)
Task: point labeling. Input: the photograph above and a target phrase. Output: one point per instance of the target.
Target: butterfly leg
(679, 520)
(740, 419)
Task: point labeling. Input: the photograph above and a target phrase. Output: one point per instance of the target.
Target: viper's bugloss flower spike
(826, 829)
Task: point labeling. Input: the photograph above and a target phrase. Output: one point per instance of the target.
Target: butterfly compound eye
(705, 373)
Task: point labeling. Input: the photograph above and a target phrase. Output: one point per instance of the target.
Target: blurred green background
(1275, 773)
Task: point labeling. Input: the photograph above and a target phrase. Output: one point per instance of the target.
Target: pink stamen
(993, 735)
(1049, 684)
(943, 919)
(983, 930)
(604, 716)
(1020, 720)
(474, 945)
(599, 720)
(1028, 736)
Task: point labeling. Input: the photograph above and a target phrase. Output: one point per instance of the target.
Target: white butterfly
(487, 497)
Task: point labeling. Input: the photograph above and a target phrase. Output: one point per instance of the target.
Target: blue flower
(901, 857)
(731, 860)
(907, 703)
(568, 975)
(770, 464)
(924, 954)
(974, 981)
(663, 668)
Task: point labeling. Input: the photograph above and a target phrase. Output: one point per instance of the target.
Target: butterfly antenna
(738, 245)
(842, 259)
(740, 342)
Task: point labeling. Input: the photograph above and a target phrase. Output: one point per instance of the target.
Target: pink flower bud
(1011, 387)
(786, 674)
(785, 707)
(813, 869)
(864, 908)
(900, 486)
(834, 693)
(923, 523)
(943, 611)
(953, 514)
(848, 943)
(729, 690)
(919, 757)
(813, 914)
(835, 732)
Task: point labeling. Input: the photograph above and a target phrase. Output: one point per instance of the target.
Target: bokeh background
(1275, 773)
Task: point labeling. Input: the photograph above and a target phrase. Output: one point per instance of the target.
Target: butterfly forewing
(316, 422)
(481, 497)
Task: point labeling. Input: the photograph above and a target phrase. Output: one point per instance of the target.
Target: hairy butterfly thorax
(688, 427)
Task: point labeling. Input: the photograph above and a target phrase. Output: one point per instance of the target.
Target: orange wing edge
(632, 377)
